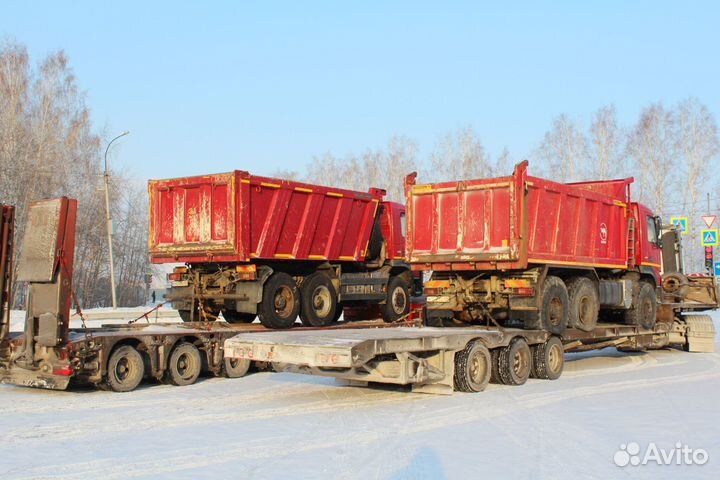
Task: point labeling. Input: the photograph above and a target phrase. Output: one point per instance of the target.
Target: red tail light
(62, 370)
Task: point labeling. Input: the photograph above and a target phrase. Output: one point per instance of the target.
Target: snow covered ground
(281, 425)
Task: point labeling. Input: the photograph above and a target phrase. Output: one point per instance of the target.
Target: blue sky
(213, 86)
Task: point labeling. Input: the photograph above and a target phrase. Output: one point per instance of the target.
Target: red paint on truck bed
(237, 217)
(515, 221)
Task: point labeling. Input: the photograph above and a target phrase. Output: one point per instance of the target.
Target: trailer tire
(397, 303)
(236, 367)
(280, 303)
(554, 305)
(644, 306)
(473, 367)
(495, 372)
(125, 370)
(184, 365)
(233, 316)
(319, 301)
(515, 362)
(584, 303)
(548, 359)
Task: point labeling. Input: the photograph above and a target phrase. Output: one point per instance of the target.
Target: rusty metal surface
(7, 231)
(40, 242)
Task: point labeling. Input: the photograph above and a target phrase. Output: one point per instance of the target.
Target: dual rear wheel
(476, 366)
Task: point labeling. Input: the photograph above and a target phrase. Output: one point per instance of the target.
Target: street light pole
(109, 221)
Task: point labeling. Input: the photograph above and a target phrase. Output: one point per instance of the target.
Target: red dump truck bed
(237, 217)
(512, 222)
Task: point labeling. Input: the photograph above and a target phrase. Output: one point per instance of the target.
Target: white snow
(281, 425)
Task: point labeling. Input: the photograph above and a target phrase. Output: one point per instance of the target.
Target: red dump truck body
(238, 217)
(492, 224)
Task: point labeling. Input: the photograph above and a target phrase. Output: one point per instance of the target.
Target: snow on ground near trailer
(281, 425)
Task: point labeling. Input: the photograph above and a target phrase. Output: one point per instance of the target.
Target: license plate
(179, 283)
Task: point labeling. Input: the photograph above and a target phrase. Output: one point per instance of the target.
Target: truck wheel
(644, 307)
(232, 316)
(495, 373)
(554, 306)
(185, 315)
(281, 302)
(236, 367)
(515, 362)
(584, 304)
(319, 301)
(473, 366)
(397, 302)
(548, 359)
(125, 369)
(184, 365)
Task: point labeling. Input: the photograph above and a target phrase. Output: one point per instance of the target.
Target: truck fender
(253, 290)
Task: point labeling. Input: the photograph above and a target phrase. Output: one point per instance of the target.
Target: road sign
(709, 220)
(709, 238)
(717, 269)
(681, 222)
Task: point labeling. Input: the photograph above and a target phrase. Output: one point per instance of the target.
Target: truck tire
(185, 315)
(184, 365)
(553, 307)
(644, 306)
(280, 303)
(125, 369)
(473, 367)
(584, 303)
(236, 367)
(233, 316)
(397, 303)
(548, 359)
(515, 362)
(319, 301)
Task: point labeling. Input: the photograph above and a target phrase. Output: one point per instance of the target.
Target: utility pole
(109, 221)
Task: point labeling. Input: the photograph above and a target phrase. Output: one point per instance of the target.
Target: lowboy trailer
(447, 359)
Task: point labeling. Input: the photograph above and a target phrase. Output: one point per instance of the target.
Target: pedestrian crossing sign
(709, 238)
(681, 223)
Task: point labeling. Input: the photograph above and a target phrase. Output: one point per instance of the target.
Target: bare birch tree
(459, 156)
(606, 154)
(564, 150)
(652, 146)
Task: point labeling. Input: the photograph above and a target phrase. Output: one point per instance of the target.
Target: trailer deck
(426, 357)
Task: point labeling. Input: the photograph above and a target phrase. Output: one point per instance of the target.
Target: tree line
(671, 151)
(50, 148)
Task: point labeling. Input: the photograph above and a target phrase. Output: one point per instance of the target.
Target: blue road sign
(709, 238)
(717, 269)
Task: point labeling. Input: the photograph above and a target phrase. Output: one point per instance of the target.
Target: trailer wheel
(473, 367)
(125, 369)
(584, 304)
(554, 303)
(184, 365)
(236, 367)
(233, 316)
(644, 307)
(319, 301)
(397, 303)
(281, 302)
(515, 362)
(548, 359)
(495, 374)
